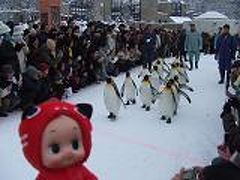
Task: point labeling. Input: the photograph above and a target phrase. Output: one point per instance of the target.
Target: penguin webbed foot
(128, 103)
(163, 118)
(148, 108)
(143, 106)
(133, 101)
(169, 121)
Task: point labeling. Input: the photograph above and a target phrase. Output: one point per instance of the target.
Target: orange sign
(50, 12)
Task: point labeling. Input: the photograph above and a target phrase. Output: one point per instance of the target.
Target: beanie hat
(36, 119)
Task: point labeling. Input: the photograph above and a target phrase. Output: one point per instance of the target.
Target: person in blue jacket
(225, 53)
(193, 45)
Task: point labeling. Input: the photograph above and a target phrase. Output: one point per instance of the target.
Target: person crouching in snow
(146, 93)
(56, 140)
(112, 99)
(129, 89)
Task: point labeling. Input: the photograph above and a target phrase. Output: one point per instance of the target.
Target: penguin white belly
(160, 71)
(173, 74)
(130, 91)
(112, 101)
(166, 105)
(156, 83)
(146, 96)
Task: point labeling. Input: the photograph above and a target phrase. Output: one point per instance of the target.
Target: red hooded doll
(56, 139)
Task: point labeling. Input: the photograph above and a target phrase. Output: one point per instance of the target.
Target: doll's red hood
(34, 123)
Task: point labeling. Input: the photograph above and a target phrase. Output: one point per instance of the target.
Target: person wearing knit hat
(56, 140)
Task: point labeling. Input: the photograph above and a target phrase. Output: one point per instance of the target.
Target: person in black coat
(181, 45)
(33, 89)
(8, 55)
(149, 47)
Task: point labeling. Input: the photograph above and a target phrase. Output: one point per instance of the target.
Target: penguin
(146, 93)
(129, 89)
(167, 101)
(162, 66)
(112, 99)
(177, 71)
(144, 71)
(178, 89)
(156, 80)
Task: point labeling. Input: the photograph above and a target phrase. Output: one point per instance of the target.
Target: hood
(36, 119)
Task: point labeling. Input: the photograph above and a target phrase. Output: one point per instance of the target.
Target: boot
(196, 64)
(221, 82)
(191, 66)
(222, 76)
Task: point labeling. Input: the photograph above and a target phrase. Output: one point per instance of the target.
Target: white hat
(25, 26)
(4, 28)
(64, 23)
(18, 30)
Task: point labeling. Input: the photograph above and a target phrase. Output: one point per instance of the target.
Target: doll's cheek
(80, 155)
(51, 162)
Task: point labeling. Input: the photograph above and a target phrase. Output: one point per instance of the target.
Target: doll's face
(62, 144)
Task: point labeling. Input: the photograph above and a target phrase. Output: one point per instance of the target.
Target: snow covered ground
(138, 146)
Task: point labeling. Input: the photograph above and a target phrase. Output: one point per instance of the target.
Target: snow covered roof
(212, 15)
(180, 19)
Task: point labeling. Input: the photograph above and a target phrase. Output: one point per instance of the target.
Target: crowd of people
(227, 165)
(37, 63)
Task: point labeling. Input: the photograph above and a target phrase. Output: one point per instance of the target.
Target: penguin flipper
(118, 93)
(184, 86)
(134, 84)
(123, 89)
(186, 96)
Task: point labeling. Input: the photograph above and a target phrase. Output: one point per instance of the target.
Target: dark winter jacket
(232, 136)
(8, 55)
(41, 55)
(225, 51)
(149, 47)
(225, 171)
(34, 90)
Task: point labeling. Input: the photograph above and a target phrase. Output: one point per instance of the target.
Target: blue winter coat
(149, 47)
(193, 42)
(225, 51)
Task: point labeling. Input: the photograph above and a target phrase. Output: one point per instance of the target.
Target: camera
(235, 159)
(190, 174)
